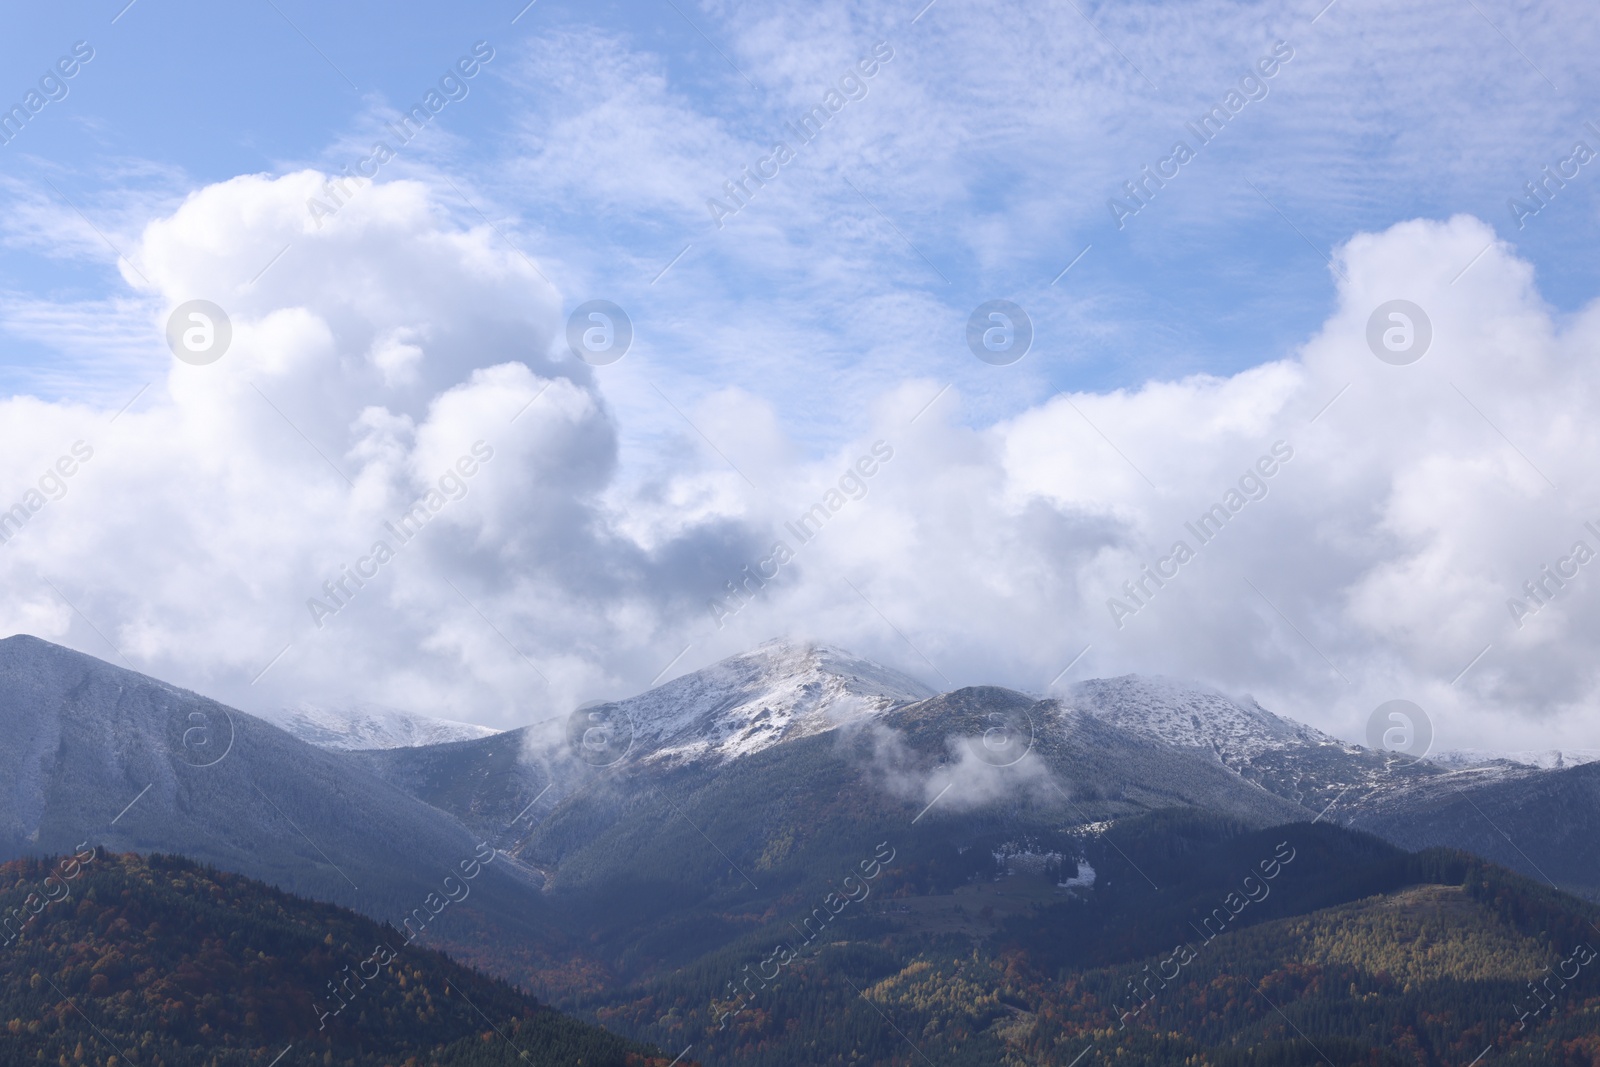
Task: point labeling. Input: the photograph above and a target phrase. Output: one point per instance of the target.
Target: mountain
(779, 693)
(100, 755)
(1550, 759)
(1284, 757)
(1190, 716)
(1015, 862)
(745, 704)
(1525, 811)
(783, 734)
(1435, 958)
(369, 726)
(665, 862)
(161, 960)
(1535, 822)
(1115, 746)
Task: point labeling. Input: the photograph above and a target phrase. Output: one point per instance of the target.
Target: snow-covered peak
(1547, 759)
(776, 692)
(369, 726)
(1190, 716)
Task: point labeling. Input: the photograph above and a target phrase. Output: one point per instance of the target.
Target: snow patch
(1084, 879)
(1547, 759)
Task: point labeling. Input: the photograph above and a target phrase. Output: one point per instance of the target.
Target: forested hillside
(160, 961)
(1203, 943)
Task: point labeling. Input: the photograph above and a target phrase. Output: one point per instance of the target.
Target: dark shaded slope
(1437, 971)
(486, 783)
(1540, 823)
(1368, 954)
(164, 961)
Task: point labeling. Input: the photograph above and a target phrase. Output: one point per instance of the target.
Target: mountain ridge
(364, 727)
(103, 754)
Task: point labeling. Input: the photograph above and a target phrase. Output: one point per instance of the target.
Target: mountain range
(648, 853)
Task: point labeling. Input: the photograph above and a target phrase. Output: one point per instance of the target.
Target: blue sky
(976, 163)
(1357, 133)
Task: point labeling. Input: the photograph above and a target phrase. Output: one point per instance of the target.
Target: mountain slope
(662, 863)
(1526, 813)
(746, 704)
(1284, 757)
(160, 960)
(1190, 716)
(106, 756)
(1537, 822)
(369, 726)
(1435, 969)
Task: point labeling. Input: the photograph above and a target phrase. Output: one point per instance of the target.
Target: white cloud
(393, 339)
(1412, 509)
(975, 769)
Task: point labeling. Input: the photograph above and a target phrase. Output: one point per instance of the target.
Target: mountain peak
(26, 648)
(1188, 715)
(33, 663)
(778, 691)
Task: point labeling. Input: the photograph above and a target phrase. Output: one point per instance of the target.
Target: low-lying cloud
(971, 774)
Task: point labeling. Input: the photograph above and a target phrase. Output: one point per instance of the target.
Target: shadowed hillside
(161, 961)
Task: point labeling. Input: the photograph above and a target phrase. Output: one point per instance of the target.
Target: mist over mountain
(1545, 759)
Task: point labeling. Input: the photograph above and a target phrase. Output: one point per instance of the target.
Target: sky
(1200, 218)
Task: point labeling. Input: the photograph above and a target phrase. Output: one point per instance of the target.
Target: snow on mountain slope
(779, 691)
(364, 727)
(745, 704)
(1191, 716)
(1547, 759)
(95, 752)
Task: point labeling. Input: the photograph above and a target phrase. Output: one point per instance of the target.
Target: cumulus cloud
(1406, 506)
(374, 361)
(383, 354)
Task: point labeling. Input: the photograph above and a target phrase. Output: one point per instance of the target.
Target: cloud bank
(1408, 510)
